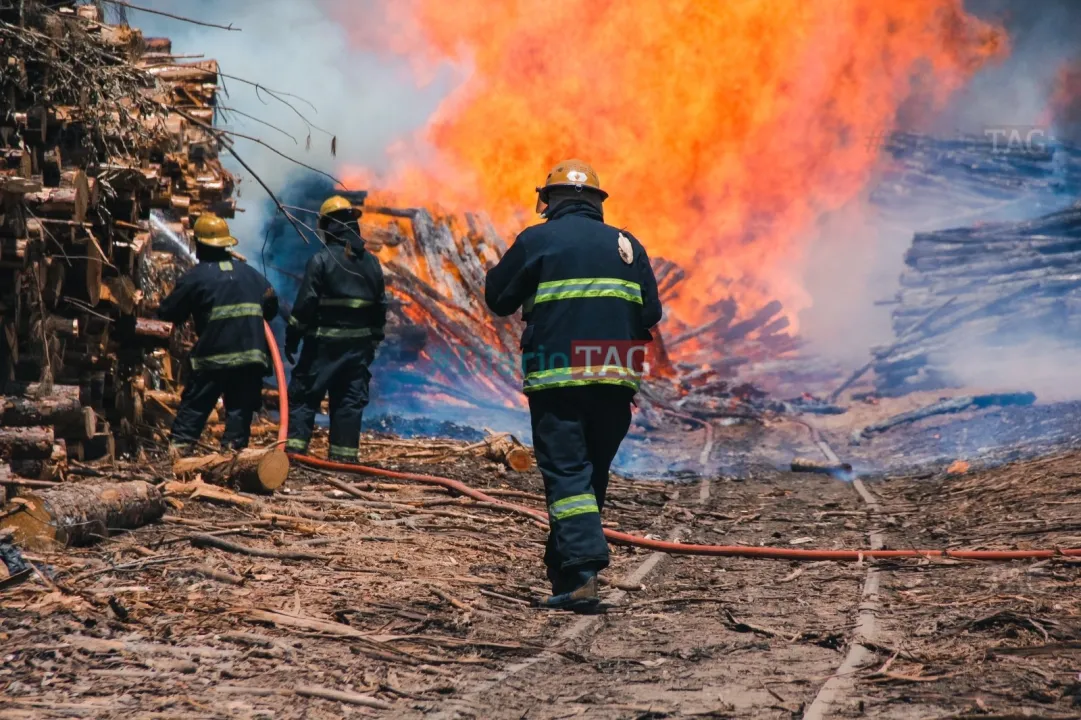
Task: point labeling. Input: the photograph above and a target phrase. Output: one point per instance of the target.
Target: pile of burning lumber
(993, 287)
(1005, 174)
(101, 127)
(443, 343)
(444, 346)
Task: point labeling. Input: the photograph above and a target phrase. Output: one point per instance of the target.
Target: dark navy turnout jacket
(342, 296)
(228, 301)
(586, 290)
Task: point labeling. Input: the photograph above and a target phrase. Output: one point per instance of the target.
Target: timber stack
(997, 289)
(102, 127)
(930, 183)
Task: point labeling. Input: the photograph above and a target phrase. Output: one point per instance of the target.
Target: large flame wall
(722, 129)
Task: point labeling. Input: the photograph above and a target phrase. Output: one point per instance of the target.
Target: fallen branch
(945, 407)
(351, 698)
(449, 598)
(205, 541)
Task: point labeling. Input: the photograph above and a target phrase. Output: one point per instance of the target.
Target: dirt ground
(411, 603)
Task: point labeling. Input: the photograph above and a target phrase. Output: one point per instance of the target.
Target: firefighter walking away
(228, 300)
(339, 313)
(587, 294)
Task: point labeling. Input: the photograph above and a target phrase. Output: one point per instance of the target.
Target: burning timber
(445, 347)
(105, 127)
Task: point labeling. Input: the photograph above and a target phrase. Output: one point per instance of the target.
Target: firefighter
(589, 298)
(340, 312)
(229, 300)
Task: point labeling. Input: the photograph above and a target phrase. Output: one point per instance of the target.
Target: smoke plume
(363, 99)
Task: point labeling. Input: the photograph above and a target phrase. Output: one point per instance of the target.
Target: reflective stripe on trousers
(573, 505)
(347, 453)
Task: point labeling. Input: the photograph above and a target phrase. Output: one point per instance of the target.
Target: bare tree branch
(278, 95)
(258, 120)
(219, 131)
(121, 3)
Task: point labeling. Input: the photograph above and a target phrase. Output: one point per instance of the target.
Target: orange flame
(722, 130)
(1066, 101)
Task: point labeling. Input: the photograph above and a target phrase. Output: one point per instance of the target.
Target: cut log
(69, 202)
(82, 514)
(61, 407)
(158, 45)
(81, 427)
(56, 325)
(507, 450)
(26, 443)
(157, 331)
(205, 71)
(253, 470)
(49, 469)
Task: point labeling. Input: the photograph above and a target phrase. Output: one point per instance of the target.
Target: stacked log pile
(101, 128)
(1005, 174)
(997, 286)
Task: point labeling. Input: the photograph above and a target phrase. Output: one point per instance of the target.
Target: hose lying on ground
(620, 538)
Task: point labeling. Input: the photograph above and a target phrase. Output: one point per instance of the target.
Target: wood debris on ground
(392, 589)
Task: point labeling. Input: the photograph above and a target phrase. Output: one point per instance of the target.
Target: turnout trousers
(576, 435)
(242, 388)
(340, 368)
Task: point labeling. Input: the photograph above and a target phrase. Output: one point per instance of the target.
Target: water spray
(172, 242)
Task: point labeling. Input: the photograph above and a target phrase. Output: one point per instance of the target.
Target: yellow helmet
(213, 231)
(570, 173)
(335, 204)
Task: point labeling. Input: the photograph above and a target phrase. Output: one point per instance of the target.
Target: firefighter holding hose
(589, 298)
(228, 300)
(339, 313)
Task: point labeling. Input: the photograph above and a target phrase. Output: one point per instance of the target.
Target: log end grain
(273, 470)
(520, 459)
(33, 526)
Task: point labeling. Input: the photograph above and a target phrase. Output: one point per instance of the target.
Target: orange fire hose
(620, 538)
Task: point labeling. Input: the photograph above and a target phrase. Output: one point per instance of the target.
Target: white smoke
(297, 46)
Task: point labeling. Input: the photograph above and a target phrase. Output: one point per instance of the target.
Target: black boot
(583, 597)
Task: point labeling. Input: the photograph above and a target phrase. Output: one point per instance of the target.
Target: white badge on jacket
(626, 252)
